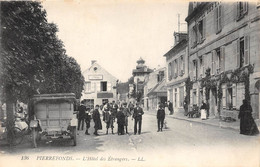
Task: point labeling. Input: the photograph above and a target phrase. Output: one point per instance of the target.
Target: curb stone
(205, 123)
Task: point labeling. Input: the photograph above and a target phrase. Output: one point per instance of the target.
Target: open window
(201, 30)
(243, 51)
(242, 9)
(103, 86)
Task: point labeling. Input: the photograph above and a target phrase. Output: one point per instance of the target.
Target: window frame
(102, 86)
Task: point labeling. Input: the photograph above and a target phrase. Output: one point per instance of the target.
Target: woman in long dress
(247, 123)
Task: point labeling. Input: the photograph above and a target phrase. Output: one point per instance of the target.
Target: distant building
(177, 71)
(100, 85)
(224, 55)
(139, 75)
(123, 92)
(155, 89)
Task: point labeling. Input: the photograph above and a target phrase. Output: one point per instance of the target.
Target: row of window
(198, 31)
(232, 98)
(217, 66)
(101, 86)
(176, 68)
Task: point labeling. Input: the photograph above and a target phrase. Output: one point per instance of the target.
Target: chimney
(93, 61)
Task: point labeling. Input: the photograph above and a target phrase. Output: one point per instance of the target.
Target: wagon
(53, 117)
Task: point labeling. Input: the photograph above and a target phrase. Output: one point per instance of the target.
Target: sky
(116, 33)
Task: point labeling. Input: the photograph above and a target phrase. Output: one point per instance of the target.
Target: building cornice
(177, 82)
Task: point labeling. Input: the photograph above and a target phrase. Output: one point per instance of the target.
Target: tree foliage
(33, 59)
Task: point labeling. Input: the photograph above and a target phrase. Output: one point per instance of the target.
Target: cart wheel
(15, 136)
(34, 138)
(74, 136)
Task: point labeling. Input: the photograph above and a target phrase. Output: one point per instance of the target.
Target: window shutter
(246, 43)
(85, 88)
(236, 10)
(108, 86)
(218, 18)
(169, 71)
(98, 86)
(183, 67)
(234, 92)
(222, 58)
(213, 67)
(92, 86)
(199, 34)
(215, 20)
(217, 63)
(222, 16)
(178, 66)
(237, 52)
(224, 96)
(204, 28)
(191, 70)
(194, 70)
(172, 69)
(245, 7)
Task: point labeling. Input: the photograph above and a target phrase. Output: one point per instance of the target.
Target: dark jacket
(82, 109)
(96, 119)
(170, 107)
(120, 118)
(107, 117)
(204, 106)
(161, 113)
(138, 112)
(114, 108)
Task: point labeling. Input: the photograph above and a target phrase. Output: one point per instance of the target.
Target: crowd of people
(111, 113)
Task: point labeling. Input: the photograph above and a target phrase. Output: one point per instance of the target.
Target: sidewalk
(210, 121)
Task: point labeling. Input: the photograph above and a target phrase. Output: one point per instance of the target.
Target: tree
(33, 60)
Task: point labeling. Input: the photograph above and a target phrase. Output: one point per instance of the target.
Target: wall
(232, 30)
(111, 80)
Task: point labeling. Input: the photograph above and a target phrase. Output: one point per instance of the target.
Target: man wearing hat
(96, 119)
(127, 114)
(138, 112)
(160, 117)
(81, 115)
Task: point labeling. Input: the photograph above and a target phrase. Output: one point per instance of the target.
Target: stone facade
(225, 39)
(100, 86)
(177, 72)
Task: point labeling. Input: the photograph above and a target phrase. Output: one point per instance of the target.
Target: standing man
(170, 107)
(87, 120)
(97, 121)
(120, 121)
(81, 115)
(114, 108)
(107, 118)
(127, 114)
(160, 117)
(131, 107)
(138, 112)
